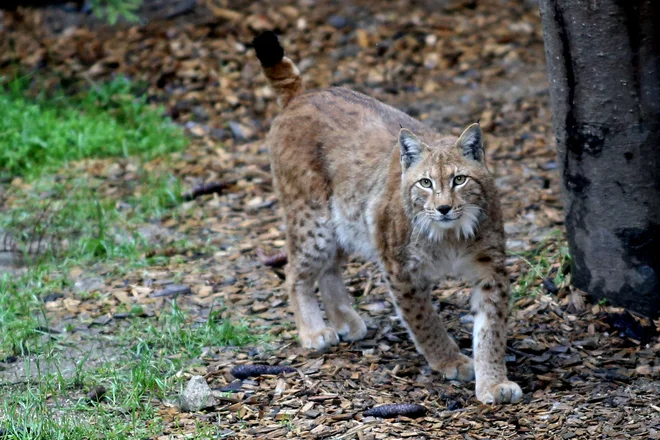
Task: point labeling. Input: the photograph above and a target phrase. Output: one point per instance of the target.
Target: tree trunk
(604, 66)
(11, 5)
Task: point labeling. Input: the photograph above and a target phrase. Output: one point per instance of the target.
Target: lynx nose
(444, 209)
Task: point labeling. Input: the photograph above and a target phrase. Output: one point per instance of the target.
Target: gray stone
(89, 284)
(197, 395)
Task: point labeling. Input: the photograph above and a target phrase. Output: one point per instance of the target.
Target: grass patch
(59, 215)
(108, 120)
(75, 212)
(56, 407)
(70, 218)
(550, 260)
(63, 214)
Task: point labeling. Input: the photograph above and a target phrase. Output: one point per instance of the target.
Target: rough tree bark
(604, 66)
(11, 5)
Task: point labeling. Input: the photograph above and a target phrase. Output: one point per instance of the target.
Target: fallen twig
(397, 409)
(245, 371)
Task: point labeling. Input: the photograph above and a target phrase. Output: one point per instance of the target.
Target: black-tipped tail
(268, 48)
(283, 75)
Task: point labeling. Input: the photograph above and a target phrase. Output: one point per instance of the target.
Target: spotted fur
(421, 204)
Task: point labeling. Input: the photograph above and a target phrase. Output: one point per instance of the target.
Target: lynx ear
(411, 148)
(471, 143)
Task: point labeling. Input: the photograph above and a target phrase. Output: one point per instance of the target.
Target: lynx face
(442, 187)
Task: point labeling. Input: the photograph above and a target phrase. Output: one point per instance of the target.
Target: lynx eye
(426, 183)
(459, 180)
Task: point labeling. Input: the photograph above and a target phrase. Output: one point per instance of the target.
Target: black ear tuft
(411, 148)
(268, 48)
(471, 143)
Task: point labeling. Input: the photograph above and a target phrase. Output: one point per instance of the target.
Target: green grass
(61, 208)
(68, 218)
(54, 406)
(548, 260)
(82, 218)
(39, 134)
(113, 10)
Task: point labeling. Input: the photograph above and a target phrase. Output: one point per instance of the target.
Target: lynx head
(442, 183)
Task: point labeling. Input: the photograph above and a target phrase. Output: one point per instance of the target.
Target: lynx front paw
(461, 369)
(351, 327)
(505, 392)
(319, 340)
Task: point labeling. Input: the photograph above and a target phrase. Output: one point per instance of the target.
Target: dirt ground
(587, 370)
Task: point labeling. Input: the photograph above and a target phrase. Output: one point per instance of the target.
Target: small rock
(90, 284)
(197, 395)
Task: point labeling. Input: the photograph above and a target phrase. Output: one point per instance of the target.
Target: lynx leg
(311, 250)
(428, 330)
(339, 305)
(490, 306)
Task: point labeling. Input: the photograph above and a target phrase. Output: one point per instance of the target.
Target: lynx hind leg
(311, 251)
(339, 305)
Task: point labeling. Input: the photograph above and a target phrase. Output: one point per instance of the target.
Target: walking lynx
(357, 176)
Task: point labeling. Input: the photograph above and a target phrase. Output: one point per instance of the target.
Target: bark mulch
(587, 370)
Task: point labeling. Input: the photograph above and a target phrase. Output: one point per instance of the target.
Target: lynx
(357, 176)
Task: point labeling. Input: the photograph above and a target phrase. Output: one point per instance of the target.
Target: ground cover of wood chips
(587, 370)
